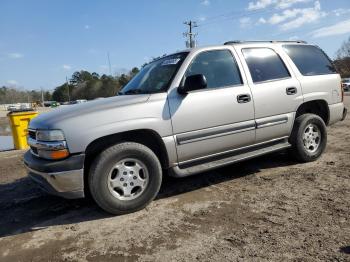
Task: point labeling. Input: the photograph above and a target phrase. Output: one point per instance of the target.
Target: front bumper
(63, 178)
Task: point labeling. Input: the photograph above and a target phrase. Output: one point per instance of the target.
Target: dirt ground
(267, 209)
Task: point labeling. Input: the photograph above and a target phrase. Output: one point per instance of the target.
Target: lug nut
(131, 184)
(122, 179)
(125, 173)
(125, 184)
(134, 177)
(131, 172)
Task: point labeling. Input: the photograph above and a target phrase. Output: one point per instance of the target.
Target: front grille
(32, 134)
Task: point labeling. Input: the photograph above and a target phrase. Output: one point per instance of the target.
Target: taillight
(342, 87)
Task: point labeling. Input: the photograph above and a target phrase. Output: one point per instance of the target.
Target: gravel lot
(270, 208)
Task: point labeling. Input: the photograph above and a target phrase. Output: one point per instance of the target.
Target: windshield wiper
(133, 92)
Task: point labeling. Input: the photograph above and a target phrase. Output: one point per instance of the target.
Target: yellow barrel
(19, 127)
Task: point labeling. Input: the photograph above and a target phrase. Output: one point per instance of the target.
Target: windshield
(155, 77)
(346, 81)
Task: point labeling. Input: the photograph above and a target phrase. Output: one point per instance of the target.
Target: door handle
(291, 90)
(245, 98)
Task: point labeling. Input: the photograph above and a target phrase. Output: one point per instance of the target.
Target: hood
(63, 113)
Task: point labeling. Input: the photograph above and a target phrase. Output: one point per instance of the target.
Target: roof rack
(265, 41)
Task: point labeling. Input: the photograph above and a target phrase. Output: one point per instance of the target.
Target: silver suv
(186, 113)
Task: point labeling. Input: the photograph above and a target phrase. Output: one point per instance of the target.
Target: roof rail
(264, 41)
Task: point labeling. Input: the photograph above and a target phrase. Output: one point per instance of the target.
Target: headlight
(48, 144)
(50, 135)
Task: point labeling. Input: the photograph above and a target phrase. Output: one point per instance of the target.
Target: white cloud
(205, 2)
(260, 4)
(285, 15)
(66, 67)
(341, 11)
(262, 20)
(12, 82)
(306, 16)
(296, 17)
(245, 22)
(336, 29)
(15, 55)
(202, 18)
(87, 27)
(281, 4)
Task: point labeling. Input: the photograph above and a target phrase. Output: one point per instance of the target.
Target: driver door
(218, 118)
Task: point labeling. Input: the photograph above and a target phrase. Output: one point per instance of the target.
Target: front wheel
(308, 138)
(125, 178)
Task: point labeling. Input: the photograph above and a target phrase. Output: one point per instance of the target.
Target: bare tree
(342, 61)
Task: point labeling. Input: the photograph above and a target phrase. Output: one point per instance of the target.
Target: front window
(156, 76)
(219, 68)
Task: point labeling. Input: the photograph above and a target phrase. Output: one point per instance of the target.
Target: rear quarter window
(310, 60)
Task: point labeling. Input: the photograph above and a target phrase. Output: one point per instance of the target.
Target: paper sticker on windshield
(173, 61)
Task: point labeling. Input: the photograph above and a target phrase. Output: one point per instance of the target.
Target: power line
(190, 35)
(234, 15)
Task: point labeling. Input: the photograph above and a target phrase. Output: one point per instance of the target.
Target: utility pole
(42, 96)
(68, 89)
(190, 35)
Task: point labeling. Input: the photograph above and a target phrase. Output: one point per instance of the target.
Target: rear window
(264, 64)
(310, 60)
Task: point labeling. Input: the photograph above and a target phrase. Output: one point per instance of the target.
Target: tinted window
(218, 67)
(310, 60)
(264, 64)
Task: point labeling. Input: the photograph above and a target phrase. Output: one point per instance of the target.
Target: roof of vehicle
(244, 42)
(235, 42)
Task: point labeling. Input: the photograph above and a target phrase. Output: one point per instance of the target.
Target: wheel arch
(318, 107)
(147, 137)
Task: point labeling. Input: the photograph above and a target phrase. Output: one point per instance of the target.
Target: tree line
(86, 85)
(9, 95)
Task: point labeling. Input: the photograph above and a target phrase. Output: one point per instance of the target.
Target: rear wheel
(309, 138)
(125, 178)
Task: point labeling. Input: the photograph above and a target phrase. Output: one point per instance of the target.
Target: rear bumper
(337, 112)
(63, 178)
(345, 112)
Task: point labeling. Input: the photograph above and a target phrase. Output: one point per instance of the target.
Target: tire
(305, 146)
(125, 178)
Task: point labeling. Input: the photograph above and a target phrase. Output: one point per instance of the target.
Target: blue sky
(42, 42)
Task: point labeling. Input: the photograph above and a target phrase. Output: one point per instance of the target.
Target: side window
(219, 68)
(264, 64)
(310, 60)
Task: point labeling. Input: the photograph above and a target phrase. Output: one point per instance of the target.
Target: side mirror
(193, 82)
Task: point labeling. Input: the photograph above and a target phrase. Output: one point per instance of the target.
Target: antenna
(109, 64)
(190, 42)
(68, 88)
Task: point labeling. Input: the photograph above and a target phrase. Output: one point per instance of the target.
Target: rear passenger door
(276, 92)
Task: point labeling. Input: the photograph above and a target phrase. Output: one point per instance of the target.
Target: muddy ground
(267, 209)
